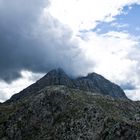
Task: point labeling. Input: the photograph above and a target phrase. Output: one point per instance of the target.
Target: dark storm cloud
(128, 86)
(29, 41)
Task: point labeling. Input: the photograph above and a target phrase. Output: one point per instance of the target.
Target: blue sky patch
(128, 21)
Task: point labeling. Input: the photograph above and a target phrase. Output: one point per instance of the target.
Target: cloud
(85, 14)
(8, 89)
(31, 39)
(3, 96)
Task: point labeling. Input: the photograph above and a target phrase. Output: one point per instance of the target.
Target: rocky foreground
(57, 108)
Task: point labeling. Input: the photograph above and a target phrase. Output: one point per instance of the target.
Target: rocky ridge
(92, 82)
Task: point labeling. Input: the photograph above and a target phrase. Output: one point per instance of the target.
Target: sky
(80, 36)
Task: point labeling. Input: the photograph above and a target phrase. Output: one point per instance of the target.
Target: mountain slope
(62, 113)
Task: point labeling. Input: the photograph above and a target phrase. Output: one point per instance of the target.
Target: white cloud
(134, 94)
(7, 90)
(84, 14)
(119, 26)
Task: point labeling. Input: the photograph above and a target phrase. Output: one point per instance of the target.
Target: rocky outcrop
(97, 83)
(92, 82)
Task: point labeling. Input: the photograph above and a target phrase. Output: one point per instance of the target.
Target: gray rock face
(97, 83)
(93, 82)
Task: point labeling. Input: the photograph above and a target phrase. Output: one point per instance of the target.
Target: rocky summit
(58, 107)
(92, 82)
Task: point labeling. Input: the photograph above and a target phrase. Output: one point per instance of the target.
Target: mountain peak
(92, 82)
(58, 71)
(55, 77)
